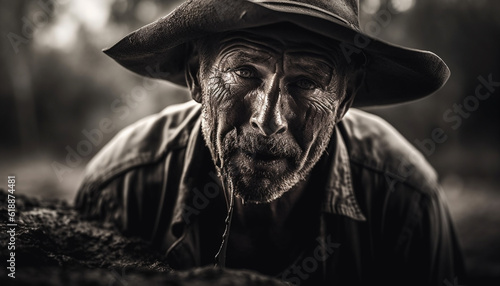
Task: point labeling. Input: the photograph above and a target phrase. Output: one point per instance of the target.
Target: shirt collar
(339, 192)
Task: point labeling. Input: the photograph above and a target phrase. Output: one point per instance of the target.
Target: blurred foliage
(55, 80)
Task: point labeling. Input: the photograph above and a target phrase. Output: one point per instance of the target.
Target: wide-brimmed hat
(394, 74)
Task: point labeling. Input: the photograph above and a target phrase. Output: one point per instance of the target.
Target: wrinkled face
(270, 103)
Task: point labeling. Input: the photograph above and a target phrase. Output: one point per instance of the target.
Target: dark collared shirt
(382, 216)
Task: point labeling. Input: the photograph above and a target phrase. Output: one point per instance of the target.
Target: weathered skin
(270, 103)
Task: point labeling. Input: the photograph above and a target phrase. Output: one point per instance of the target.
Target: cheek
(224, 104)
(316, 116)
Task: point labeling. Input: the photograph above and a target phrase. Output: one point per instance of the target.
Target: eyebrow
(313, 70)
(312, 64)
(326, 60)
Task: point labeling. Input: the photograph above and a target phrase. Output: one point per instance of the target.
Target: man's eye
(305, 84)
(245, 72)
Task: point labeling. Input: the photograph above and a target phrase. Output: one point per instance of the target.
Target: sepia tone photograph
(250, 142)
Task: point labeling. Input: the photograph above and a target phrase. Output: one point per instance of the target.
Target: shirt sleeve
(428, 249)
(131, 201)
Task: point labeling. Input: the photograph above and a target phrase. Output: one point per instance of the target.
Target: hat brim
(394, 74)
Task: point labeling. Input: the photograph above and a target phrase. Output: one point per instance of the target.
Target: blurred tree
(21, 125)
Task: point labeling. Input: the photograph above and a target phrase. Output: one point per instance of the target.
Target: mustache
(269, 146)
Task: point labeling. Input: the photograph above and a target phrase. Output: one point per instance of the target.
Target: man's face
(270, 103)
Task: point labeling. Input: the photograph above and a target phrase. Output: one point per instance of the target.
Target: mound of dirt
(55, 246)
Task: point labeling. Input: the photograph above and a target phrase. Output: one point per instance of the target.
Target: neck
(273, 214)
(268, 237)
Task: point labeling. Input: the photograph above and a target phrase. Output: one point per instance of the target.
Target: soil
(55, 246)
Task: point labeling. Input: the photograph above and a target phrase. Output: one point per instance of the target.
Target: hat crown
(346, 10)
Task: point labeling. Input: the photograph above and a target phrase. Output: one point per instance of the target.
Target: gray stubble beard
(240, 178)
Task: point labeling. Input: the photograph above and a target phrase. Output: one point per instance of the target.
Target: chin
(262, 190)
(258, 196)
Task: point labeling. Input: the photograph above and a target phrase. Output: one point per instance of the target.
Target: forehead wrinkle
(238, 52)
(254, 44)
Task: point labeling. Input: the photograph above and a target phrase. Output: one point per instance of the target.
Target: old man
(269, 168)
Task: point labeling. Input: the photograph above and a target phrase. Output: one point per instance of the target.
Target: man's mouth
(269, 155)
(265, 161)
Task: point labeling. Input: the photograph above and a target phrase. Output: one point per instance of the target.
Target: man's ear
(354, 83)
(356, 80)
(356, 77)
(192, 74)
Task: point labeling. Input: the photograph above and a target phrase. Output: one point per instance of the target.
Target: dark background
(56, 85)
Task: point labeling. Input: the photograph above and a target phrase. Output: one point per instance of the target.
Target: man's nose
(268, 118)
